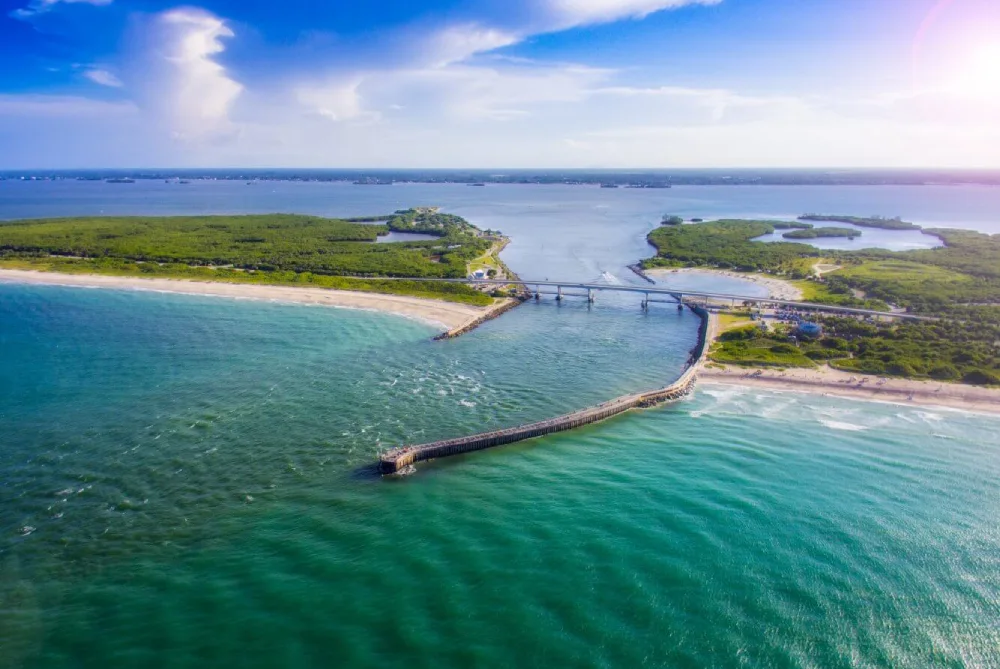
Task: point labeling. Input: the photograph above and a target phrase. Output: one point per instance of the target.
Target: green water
(198, 476)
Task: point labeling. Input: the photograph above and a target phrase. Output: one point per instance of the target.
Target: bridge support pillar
(559, 295)
(645, 302)
(590, 295)
(538, 293)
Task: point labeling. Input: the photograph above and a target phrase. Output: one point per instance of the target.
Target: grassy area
(825, 292)
(488, 260)
(752, 345)
(451, 292)
(920, 286)
(729, 321)
(759, 353)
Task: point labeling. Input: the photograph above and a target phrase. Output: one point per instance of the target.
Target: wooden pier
(398, 459)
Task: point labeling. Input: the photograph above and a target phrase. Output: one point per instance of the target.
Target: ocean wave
(839, 425)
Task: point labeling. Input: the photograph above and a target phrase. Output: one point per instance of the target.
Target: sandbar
(777, 288)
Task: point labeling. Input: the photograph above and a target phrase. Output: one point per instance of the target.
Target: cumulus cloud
(178, 79)
(36, 7)
(104, 78)
(442, 95)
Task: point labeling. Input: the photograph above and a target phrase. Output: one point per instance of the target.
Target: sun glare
(981, 75)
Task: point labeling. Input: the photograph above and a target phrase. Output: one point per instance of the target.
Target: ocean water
(187, 481)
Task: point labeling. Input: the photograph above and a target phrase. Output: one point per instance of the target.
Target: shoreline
(450, 316)
(777, 289)
(829, 382)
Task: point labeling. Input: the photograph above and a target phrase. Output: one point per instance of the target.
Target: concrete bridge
(560, 288)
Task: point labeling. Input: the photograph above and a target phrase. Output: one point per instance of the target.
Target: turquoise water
(197, 472)
(187, 481)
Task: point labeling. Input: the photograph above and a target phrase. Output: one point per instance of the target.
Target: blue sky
(500, 83)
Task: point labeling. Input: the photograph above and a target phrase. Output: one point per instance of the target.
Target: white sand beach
(835, 383)
(438, 313)
(777, 289)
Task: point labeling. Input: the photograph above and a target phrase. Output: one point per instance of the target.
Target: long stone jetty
(400, 458)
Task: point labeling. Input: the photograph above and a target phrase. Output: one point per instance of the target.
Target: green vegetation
(271, 248)
(726, 244)
(265, 242)
(943, 350)
(671, 220)
(966, 251)
(960, 283)
(452, 292)
(750, 345)
(790, 225)
(863, 221)
(921, 287)
(813, 233)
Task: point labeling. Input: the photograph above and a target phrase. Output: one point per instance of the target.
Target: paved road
(652, 290)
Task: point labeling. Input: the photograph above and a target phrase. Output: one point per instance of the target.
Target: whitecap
(466, 403)
(838, 425)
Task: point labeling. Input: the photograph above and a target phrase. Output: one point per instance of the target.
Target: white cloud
(456, 43)
(338, 101)
(36, 7)
(62, 106)
(570, 13)
(439, 96)
(718, 102)
(104, 78)
(178, 79)
(456, 92)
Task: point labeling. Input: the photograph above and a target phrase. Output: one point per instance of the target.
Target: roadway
(679, 294)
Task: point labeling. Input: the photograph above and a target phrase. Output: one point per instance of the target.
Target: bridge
(676, 296)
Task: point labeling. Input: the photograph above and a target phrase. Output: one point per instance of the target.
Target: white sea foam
(838, 425)
(467, 403)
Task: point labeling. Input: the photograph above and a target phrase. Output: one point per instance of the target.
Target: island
(272, 256)
(815, 233)
(955, 288)
(881, 222)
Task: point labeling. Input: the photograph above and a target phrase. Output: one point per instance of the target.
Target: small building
(479, 274)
